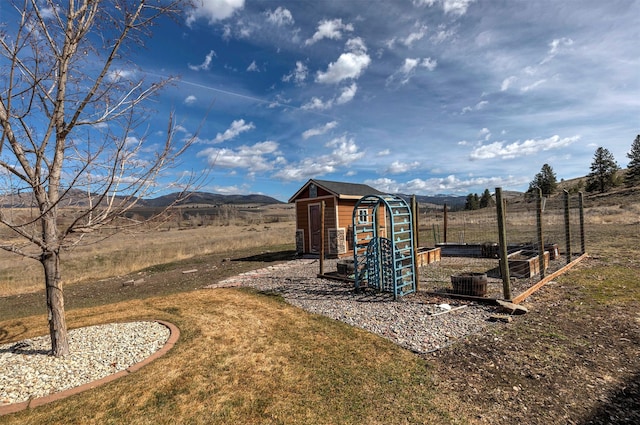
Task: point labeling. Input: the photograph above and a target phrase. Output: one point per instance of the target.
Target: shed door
(314, 227)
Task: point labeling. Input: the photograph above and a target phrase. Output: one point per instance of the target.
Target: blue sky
(415, 96)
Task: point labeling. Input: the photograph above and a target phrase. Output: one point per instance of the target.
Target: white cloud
(555, 46)
(231, 190)
(384, 185)
(49, 12)
(485, 133)
(350, 65)
(429, 63)
(347, 94)
(408, 68)
(384, 152)
(120, 74)
(507, 82)
(556, 43)
(533, 85)
(317, 104)
(424, 2)
(280, 16)
(253, 67)
(206, 65)
(329, 29)
(478, 106)
(237, 127)
(279, 101)
(226, 32)
(255, 158)
(213, 10)
(415, 36)
(443, 34)
(448, 184)
(190, 100)
(518, 149)
(318, 131)
(398, 167)
(344, 153)
(298, 75)
(455, 7)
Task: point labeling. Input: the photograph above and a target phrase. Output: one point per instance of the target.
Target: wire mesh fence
(540, 235)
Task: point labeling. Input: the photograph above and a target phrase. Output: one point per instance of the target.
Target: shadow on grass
(270, 257)
(622, 407)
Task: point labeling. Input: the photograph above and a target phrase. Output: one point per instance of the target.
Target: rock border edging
(174, 335)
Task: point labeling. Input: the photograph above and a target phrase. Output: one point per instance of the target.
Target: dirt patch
(154, 281)
(569, 360)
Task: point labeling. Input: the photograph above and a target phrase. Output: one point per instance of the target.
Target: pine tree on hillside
(632, 177)
(603, 171)
(486, 200)
(545, 180)
(472, 202)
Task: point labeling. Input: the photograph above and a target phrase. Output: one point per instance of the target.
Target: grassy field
(132, 251)
(249, 358)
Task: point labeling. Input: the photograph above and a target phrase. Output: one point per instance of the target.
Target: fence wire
(469, 245)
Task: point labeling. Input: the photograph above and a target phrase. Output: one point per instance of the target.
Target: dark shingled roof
(341, 189)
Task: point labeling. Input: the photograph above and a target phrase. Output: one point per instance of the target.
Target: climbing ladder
(383, 247)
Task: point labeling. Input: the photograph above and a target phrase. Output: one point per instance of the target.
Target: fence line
(518, 244)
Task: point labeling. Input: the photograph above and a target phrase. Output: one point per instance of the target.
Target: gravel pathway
(419, 322)
(28, 371)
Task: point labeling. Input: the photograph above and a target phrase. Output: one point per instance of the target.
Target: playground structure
(384, 246)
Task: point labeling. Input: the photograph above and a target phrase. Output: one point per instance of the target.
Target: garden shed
(340, 199)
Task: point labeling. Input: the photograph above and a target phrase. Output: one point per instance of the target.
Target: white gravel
(27, 370)
(419, 322)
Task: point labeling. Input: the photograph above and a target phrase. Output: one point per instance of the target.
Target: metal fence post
(445, 222)
(541, 259)
(567, 226)
(583, 248)
(502, 242)
(416, 238)
(322, 208)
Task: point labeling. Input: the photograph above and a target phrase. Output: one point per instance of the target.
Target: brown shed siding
(302, 218)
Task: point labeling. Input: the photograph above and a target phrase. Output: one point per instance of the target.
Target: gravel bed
(27, 370)
(419, 322)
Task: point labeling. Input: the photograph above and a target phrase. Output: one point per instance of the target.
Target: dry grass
(125, 253)
(247, 358)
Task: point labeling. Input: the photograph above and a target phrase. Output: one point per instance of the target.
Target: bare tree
(73, 119)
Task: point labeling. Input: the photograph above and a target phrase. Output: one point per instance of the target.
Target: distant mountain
(78, 198)
(452, 201)
(205, 198)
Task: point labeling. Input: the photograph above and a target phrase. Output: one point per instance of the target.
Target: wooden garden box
(524, 263)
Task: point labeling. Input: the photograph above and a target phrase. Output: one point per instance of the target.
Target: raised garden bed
(478, 250)
(426, 256)
(526, 263)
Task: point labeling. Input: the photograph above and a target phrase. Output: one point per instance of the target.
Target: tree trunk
(55, 304)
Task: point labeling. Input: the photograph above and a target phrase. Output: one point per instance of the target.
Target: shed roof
(341, 190)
